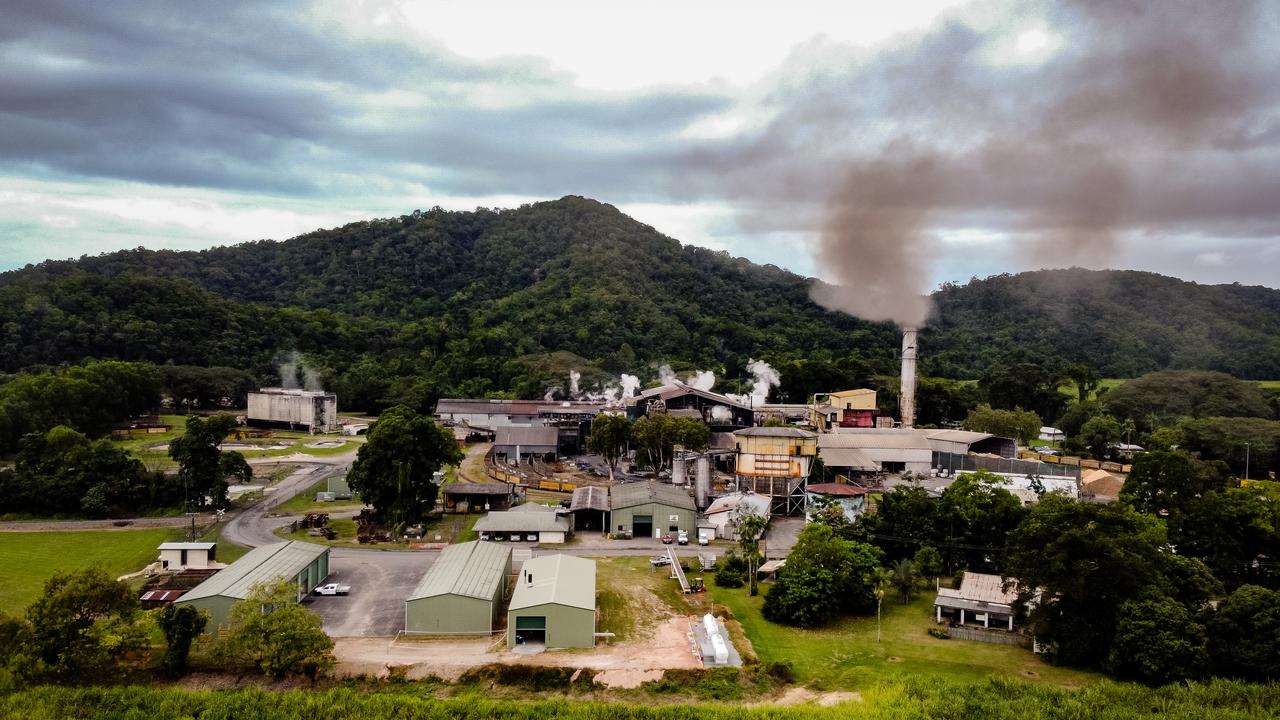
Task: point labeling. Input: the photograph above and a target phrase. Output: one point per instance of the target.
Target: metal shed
(513, 441)
(650, 509)
(462, 592)
(470, 497)
(528, 523)
(962, 442)
(304, 564)
(554, 603)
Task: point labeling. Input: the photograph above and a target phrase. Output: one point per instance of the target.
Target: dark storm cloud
(239, 97)
(1150, 117)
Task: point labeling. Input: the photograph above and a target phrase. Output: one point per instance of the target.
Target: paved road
(251, 527)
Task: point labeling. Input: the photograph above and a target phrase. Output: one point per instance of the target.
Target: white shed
(188, 556)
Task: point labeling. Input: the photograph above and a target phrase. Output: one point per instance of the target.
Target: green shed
(651, 509)
(462, 592)
(554, 603)
(305, 564)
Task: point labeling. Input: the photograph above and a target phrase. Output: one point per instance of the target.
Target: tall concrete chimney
(907, 399)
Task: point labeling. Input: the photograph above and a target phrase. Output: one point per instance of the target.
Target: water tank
(720, 649)
(679, 472)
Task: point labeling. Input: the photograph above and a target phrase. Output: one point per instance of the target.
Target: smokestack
(907, 400)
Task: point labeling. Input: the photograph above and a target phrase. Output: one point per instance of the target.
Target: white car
(333, 589)
(683, 538)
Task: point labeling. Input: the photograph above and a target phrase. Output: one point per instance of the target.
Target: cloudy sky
(866, 143)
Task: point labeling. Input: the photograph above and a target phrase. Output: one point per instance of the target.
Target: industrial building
(852, 499)
(177, 556)
(590, 508)
(311, 410)
(847, 408)
(855, 450)
(514, 442)
(650, 509)
(963, 442)
(723, 514)
(554, 603)
(775, 462)
(462, 593)
(719, 412)
(492, 414)
(524, 523)
(304, 564)
(478, 497)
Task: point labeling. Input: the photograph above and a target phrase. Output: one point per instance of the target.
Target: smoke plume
(292, 367)
(1058, 134)
(574, 377)
(666, 375)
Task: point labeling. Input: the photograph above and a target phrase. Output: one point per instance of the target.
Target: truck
(332, 589)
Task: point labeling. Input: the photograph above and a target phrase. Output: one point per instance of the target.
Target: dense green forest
(496, 302)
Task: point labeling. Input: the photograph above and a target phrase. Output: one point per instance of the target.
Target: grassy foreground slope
(899, 700)
(27, 559)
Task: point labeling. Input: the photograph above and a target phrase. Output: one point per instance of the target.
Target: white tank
(679, 472)
(702, 491)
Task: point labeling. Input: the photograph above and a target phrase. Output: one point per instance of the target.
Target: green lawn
(305, 502)
(27, 559)
(228, 552)
(846, 655)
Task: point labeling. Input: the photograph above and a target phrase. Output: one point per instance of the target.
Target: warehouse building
(478, 497)
(676, 398)
(963, 442)
(554, 603)
(524, 523)
(310, 410)
(515, 442)
(590, 508)
(650, 509)
(876, 450)
(462, 592)
(304, 564)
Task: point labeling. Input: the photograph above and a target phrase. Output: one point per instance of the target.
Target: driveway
(380, 583)
(782, 536)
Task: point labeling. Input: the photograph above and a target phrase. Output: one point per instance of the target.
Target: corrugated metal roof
(757, 503)
(556, 579)
(677, 388)
(526, 435)
(641, 493)
(775, 432)
(532, 507)
(846, 458)
(471, 569)
(589, 497)
(981, 587)
(261, 564)
(836, 489)
(470, 488)
(960, 436)
(473, 407)
(873, 438)
(521, 522)
(187, 546)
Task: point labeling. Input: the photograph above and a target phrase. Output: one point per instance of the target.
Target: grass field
(617, 579)
(27, 559)
(846, 656)
(305, 502)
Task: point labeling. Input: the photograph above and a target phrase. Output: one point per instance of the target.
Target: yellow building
(848, 408)
(775, 462)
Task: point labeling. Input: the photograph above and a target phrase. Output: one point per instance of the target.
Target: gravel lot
(380, 582)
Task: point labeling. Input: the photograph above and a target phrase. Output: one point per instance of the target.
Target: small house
(981, 600)
(179, 556)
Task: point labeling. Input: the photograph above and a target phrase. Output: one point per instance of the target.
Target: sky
(885, 148)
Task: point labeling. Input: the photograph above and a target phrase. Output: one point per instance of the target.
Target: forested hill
(1125, 323)
(474, 303)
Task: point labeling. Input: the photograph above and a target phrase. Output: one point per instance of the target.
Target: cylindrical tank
(702, 490)
(679, 475)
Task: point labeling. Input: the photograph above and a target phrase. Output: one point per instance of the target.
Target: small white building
(524, 523)
(724, 513)
(177, 556)
(981, 600)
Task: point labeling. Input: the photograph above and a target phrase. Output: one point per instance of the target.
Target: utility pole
(1246, 461)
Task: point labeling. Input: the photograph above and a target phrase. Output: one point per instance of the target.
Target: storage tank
(702, 488)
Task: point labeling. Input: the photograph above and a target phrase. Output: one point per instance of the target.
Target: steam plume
(574, 377)
(630, 385)
(702, 380)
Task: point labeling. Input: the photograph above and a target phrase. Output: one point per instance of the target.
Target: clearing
(28, 559)
(846, 656)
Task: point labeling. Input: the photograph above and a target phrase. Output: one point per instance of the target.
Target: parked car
(704, 540)
(659, 560)
(666, 540)
(683, 538)
(531, 537)
(333, 589)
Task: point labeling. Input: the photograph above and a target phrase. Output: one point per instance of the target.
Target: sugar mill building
(554, 603)
(310, 410)
(774, 462)
(676, 398)
(462, 593)
(650, 509)
(853, 450)
(304, 564)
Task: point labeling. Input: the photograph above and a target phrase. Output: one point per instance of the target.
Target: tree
(1022, 425)
(609, 437)
(975, 515)
(1085, 561)
(1235, 531)
(655, 435)
(1166, 438)
(1022, 385)
(272, 633)
(880, 580)
(1157, 642)
(1085, 378)
(1161, 398)
(905, 519)
(1101, 434)
(393, 470)
(181, 625)
(905, 578)
(928, 561)
(751, 527)
(1244, 635)
(84, 624)
(1167, 482)
(202, 468)
(824, 576)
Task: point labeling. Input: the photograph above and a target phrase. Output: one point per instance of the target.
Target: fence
(955, 463)
(993, 637)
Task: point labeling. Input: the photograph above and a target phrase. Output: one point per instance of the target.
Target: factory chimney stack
(907, 399)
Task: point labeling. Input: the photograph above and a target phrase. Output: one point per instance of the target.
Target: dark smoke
(1138, 121)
